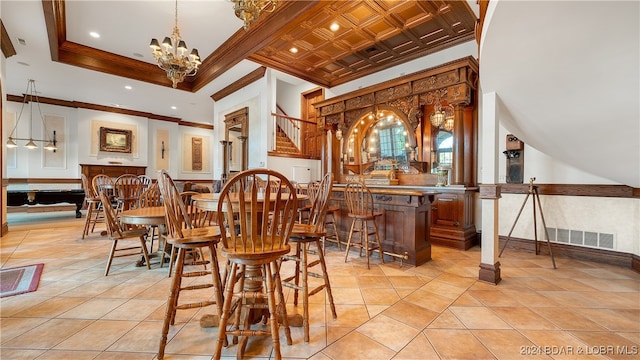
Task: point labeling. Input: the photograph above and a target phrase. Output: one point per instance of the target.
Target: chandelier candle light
(174, 60)
(29, 96)
(249, 10)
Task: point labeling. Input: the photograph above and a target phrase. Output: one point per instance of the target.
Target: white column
(490, 191)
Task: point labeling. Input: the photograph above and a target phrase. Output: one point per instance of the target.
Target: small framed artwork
(115, 140)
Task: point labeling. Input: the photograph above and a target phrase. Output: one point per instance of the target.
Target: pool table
(46, 197)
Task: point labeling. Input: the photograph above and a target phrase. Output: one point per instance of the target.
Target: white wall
(608, 215)
(78, 145)
(253, 96)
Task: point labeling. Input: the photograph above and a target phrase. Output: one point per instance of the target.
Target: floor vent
(584, 238)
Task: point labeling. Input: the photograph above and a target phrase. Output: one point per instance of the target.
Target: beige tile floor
(435, 311)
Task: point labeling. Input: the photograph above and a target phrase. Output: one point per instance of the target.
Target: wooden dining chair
(103, 183)
(184, 237)
(198, 218)
(255, 229)
(151, 197)
(94, 207)
(145, 182)
(363, 213)
(117, 232)
(305, 235)
(128, 189)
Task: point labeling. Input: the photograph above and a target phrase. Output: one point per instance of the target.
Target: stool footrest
(197, 287)
(292, 286)
(316, 290)
(195, 305)
(196, 273)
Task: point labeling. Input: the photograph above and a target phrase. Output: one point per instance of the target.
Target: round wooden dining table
(146, 216)
(209, 201)
(150, 216)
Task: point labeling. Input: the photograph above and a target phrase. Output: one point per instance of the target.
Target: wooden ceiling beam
(5, 42)
(243, 43)
(242, 82)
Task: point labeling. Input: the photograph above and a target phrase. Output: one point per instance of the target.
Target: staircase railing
(290, 126)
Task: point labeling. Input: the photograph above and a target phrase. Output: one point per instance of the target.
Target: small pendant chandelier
(31, 96)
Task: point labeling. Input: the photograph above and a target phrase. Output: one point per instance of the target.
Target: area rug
(20, 280)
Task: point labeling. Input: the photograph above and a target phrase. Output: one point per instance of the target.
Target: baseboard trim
(574, 252)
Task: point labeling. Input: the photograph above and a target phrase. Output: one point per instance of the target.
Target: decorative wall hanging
(115, 140)
(196, 153)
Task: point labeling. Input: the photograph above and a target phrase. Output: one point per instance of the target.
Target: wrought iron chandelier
(30, 96)
(249, 10)
(174, 60)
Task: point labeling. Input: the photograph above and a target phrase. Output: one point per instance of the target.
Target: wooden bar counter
(404, 228)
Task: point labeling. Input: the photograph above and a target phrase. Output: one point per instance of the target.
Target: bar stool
(255, 228)
(305, 234)
(94, 207)
(330, 222)
(183, 236)
(361, 210)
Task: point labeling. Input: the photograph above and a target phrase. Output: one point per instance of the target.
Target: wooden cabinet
(403, 229)
(452, 218)
(113, 171)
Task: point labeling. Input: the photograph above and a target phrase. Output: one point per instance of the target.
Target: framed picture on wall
(115, 140)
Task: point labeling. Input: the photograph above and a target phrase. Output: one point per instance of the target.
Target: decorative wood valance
(453, 82)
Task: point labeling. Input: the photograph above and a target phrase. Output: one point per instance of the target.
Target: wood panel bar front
(404, 228)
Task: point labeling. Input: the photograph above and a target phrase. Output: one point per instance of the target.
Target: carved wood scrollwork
(383, 197)
(360, 102)
(393, 93)
(409, 106)
(332, 119)
(436, 81)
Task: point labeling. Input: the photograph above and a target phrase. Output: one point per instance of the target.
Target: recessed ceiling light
(294, 50)
(334, 27)
(94, 34)
(174, 107)
(128, 87)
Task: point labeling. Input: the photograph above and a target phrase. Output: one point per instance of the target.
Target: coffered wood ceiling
(373, 35)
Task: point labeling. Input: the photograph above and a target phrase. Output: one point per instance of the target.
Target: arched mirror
(383, 138)
(234, 145)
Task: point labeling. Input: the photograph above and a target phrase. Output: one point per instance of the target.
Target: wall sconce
(30, 94)
(162, 149)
